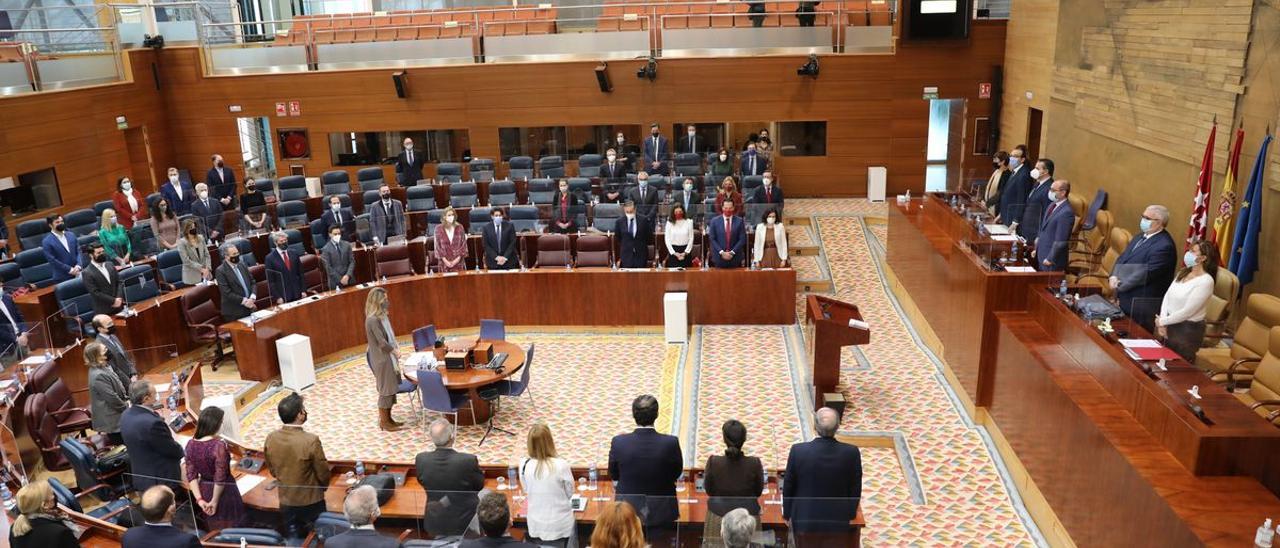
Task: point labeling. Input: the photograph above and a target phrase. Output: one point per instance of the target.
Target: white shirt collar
(368, 526)
(166, 524)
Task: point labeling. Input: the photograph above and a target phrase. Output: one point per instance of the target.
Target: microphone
(568, 259)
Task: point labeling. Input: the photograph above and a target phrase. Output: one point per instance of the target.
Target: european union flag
(1244, 250)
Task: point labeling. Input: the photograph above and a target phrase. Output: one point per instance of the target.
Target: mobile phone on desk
(578, 503)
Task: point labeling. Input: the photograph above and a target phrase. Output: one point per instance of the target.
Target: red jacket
(126, 216)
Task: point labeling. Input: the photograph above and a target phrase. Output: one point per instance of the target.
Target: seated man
(452, 481)
(634, 234)
(361, 509)
(495, 519)
(284, 271)
(500, 243)
(728, 238)
(103, 282)
(208, 209)
(157, 509)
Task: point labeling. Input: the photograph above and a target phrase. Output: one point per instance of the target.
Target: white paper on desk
(1140, 343)
(34, 360)
(247, 482)
(997, 229)
(418, 358)
(161, 387)
(1019, 269)
(1004, 238)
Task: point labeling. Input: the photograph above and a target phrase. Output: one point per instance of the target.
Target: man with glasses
(1144, 271)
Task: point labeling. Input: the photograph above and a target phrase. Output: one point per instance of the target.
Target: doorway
(142, 167)
(1034, 118)
(256, 147)
(945, 150)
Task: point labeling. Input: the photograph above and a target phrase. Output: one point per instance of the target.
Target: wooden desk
(1108, 478)
(473, 380)
(929, 251)
(1239, 442)
(586, 297)
(158, 333)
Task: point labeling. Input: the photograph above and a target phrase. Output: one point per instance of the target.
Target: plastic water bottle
(593, 477)
(173, 381)
(1263, 539)
(1013, 253)
(48, 355)
(360, 468)
(764, 480)
(512, 480)
(173, 403)
(7, 496)
(1062, 289)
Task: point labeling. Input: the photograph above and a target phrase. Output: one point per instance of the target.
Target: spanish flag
(1223, 223)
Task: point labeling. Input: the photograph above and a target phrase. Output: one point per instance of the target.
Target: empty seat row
(420, 25)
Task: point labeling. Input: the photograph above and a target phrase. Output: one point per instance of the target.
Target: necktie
(206, 204)
(497, 231)
(727, 225)
(1051, 208)
(631, 223)
(409, 156)
(768, 195)
(693, 147)
(753, 165)
(338, 217)
(241, 280)
(655, 147)
(641, 194)
(287, 264)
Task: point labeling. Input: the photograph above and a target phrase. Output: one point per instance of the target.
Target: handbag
(1095, 307)
(383, 483)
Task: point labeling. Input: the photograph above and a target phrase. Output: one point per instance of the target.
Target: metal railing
(49, 59)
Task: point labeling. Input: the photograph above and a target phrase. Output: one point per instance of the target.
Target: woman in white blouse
(771, 242)
(548, 482)
(679, 238)
(1181, 319)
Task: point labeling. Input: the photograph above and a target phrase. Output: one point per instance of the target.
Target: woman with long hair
(548, 482)
(728, 191)
(208, 471)
(383, 355)
(1181, 318)
(128, 203)
(164, 224)
(678, 237)
(114, 237)
(39, 524)
(108, 398)
(450, 243)
(770, 249)
(999, 176)
(733, 480)
(617, 526)
(194, 251)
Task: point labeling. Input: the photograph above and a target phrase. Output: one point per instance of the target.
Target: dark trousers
(298, 520)
(1185, 338)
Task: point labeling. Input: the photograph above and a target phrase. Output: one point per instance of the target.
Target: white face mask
(643, 182)
(692, 133)
(611, 157)
(770, 220)
(768, 181)
(127, 186)
(336, 206)
(621, 140)
(724, 157)
(111, 221)
(336, 238)
(204, 194)
(449, 218)
(497, 221)
(564, 190)
(173, 179)
(631, 216)
(408, 146)
(1035, 174)
(688, 188)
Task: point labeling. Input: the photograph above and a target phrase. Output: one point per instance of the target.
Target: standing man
(102, 282)
(634, 234)
(767, 196)
(752, 162)
(296, 458)
(1013, 196)
(284, 271)
(61, 250)
(728, 238)
(235, 284)
(387, 218)
(656, 150)
(1037, 202)
(823, 485)
(119, 359)
(1051, 242)
(209, 210)
(500, 244)
(644, 198)
(646, 465)
(409, 165)
(337, 216)
(13, 338)
(1145, 269)
(222, 181)
(691, 143)
(614, 171)
(452, 480)
(154, 455)
(178, 193)
(339, 263)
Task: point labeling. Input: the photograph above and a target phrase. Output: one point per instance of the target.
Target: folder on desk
(1147, 350)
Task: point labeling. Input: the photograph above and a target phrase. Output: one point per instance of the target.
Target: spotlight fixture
(153, 42)
(810, 68)
(648, 70)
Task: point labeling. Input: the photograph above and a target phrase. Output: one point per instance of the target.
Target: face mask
(751, 151)
(1035, 174)
(643, 182)
(249, 187)
(612, 157)
(111, 221)
(771, 220)
(192, 234)
(385, 197)
(59, 227)
(1014, 161)
(336, 206)
(335, 238)
(99, 258)
(768, 182)
(164, 207)
(127, 186)
(449, 218)
(1053, 196)
(497, 220)
(408, 146)
(564, 190)
(234, 259)
(688, 188)
(621, 140)
(679, 215)
(631, 216)
(653, 133)
(204, 195)
(724, 157)
(221, 165)
(1145, 224)
(1189, 259)
(110, 330)
(173, 179)
(282, 246)
(692, 133)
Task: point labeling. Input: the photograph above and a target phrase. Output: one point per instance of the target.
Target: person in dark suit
(1037, 201)
(767, 196)
(728, 235)
(158, 507)
(805, 13)
(452, 481)
(499, 240)
(752, 162)
(179, 193)
(691, 142)
(39, 524)
(284, 271)
(209, 210)
(1051, 242)
(646, 465)
(235, 284)
(154, 455)
(823, 484)
(688, 197)
(102, 282)
(4, 239)
(733, 480)
(339, 260)
(409, 165)
(61, 250)
(120, 361)
(361, 510)
(1013, 196)
(386, 219)
(644, 198)
(13, 334)
(656, 151)
(565, 206)
(614, 173)
(495, 518)
(296, 458)
(335, 215)
(634, 235)
(1143, 272)
(995, 184)
(222, 183)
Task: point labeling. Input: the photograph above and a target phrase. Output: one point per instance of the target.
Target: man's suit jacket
(633, 252)
(1145, 270)
(62, 259)
(108, 399)
(1037, 203)
(823, 485)
(770, 196)
(120, 361)
(338, 262)
(646, 465)
(409, 173)
(328, 220)
(223, 186)
(617, 170)
(231, 291)
(8, 337)
(1052, 236)
(382, 221)
(1013, 197)
(361, 538)
(659, 154)
(103, 290)
(735, 241)
(693, 206)
(452, 481)
(646, 206)
(180, 206)
(506, 248)
(698, 146)
(761, 164)
(158, 536)
(154, 456)
(296, 458)
(490, 542)
(284, 282)
(210, 215)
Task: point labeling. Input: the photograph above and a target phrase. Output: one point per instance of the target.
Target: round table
(473, 380)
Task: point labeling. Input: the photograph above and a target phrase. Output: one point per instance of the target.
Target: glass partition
(534, 142)
(382, 147)
(802, 138)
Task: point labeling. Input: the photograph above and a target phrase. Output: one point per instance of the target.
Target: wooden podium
(829, 320)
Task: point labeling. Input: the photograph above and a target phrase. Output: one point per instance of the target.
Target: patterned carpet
(932, 478)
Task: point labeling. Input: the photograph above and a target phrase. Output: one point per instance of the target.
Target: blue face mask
(1145, 224)
(1014, 162)
(1189, 259)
